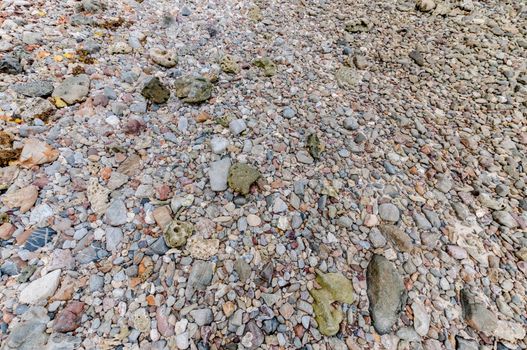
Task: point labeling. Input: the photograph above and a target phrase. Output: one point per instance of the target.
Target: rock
(267, 65)
(421, 318)
(477, 315)
(504, 218)
(521, 254)
(466, 344)
(37, 108)
(156, 92)
(457, 252)
(7, 174)
(116, 214)
(6, 230)
(314, 146)
(229, 65)
(30, 334)
(202, 317)
(386, 293)
(241, 177)
(408, 334)
(36, 88)
(288, 113)
(417, 57)
(10, 65)
(218, 174)
(192, 89)
(162, 216)
(93, 5)
(177, 233)
(114, 236)
(351, 123)
(163, 57)
(58, 341)
(377, 239)
(199, 278)
(335, 288)
(421, 221)
(40, 289)
(39, 238)
(218, 145)
(389, 212)
(243, 269)
(97, 196)
(73, 89)
(347, 77)
(253, 220)
(141, 320)
(253, 337)
(425, 5)
(40, 214)
(360, 62)
(69, 318)
(201, 248)
(510, 331)
(304, 157)
(36, 152)
(96, 283)
(24, 198)
(237, 126)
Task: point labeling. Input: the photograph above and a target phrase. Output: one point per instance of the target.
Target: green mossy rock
(193, 89)
(267, 65)
(155, 91)
(177, 232)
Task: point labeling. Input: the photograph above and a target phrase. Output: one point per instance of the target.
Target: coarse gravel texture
(414, 173)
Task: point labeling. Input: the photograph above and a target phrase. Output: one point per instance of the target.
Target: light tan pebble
(253, 220)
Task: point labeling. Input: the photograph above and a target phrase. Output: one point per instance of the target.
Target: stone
(389, 212)
(477, 315)
(457, 252)
(510, 331)
(243, 269)
(6, 230)
(504, 218)
(241, 177)
(163, 57)
(386, 293)
(116, 213)
(59, 341)
(218, 174)
(93, 6)
(114, 236)
(10, 64)
(199, 278)
(37, 108)
(30, 334)
(253, 337)
(417, 57)
(267, 66)
(35, 88)
(202, 248)
(24, 198)
(162, 216)
(314, 146)
(425, 5)
(334, 288)
(39, 238)
(72, 90)
(466, 344)
(202, 317)
(155, 91)
(36, 152)
(237, 126)
(377, 239)
(69, 318)
(177, 233)
(346, 77)
(40, 214)
(218, 145)
(229, 65)
(40, 289)
(141, 320)
(351, 123)
(288, 113)
(253, 220)
(421, 318)
(192, 89)
(97, 196)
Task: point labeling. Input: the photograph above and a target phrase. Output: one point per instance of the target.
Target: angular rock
(156, 92)
(35, 88)
(241, 177)
(199, 278)
(40, 289)
(69, 318)
(116, 213)
(218, 174)
(24, 198)
(73, 89)
(477, 315)
(36, 152)
(163, 57)
(10, 64)
(398, 237)
(201, 248)
(267, 65)
(192, 89)
(39, 238)
(386, 293)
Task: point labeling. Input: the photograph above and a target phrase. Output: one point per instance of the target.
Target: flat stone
(116, 214)
(199, 278)
(389, 212)
(218, 145)
(386, 293)
(114, 236)
(192, 89)
(421, 318)
(398, 237)
(40, 289)
(73, 89)
(477, 315)
(202, 317)
(241, 177)
(36, 88)
(243, 269)
(237, 126)
(24, 198)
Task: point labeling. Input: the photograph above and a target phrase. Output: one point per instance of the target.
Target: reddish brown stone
(68, 319)
(6, 230)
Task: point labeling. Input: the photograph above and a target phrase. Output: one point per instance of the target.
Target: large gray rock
(30, 334)
(36, 88)
(386, 293)
(116, 214)
(199, 278)
(218, 173)
(73, 89)
(477, 315)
